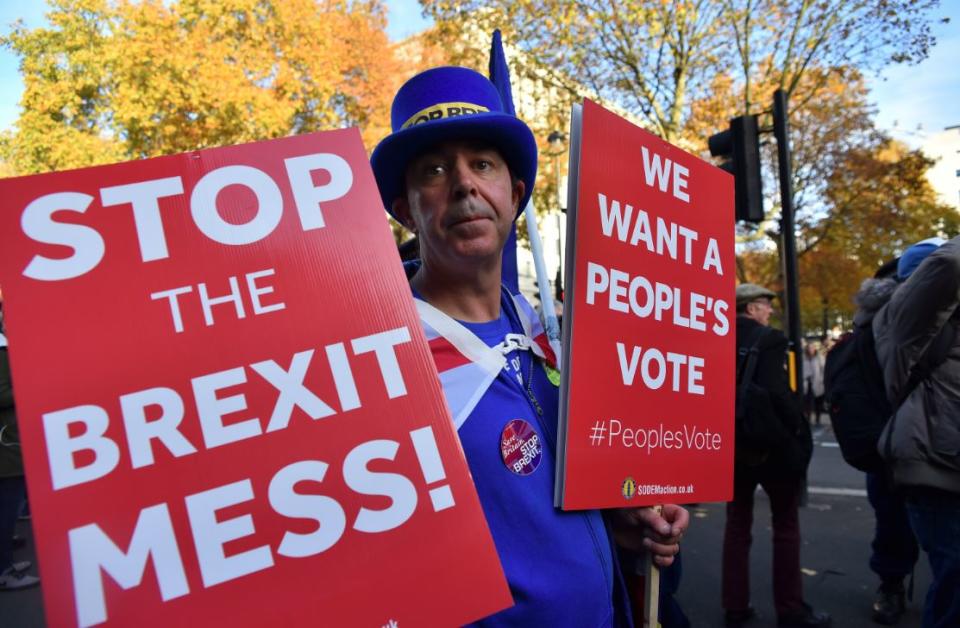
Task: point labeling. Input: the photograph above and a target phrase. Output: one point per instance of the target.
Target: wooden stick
(651, 594)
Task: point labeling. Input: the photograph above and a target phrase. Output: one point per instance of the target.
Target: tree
(829, 277)
(643, 56)
(653, 58)
(125, 79)
(684, 68)
(836, 118)
(779, 41)
(881, 203)
(817, 52)
(878, 202)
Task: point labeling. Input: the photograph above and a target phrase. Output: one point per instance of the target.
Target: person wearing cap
(456, 170)
(921, 442)
(780, 475)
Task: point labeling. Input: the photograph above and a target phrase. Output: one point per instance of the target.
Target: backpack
(857, 397)
(758, 427)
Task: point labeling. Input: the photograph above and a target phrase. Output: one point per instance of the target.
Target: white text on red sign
(88, 246)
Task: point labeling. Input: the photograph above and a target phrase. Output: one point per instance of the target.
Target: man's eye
(483, 164)
(433, 169)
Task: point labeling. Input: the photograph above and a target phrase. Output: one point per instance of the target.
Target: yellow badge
(629, 488)
(552, 374)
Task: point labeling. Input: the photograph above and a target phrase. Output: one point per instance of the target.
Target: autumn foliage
(111, 80)
(125, 79)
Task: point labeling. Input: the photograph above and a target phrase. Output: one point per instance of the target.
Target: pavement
(836, 524)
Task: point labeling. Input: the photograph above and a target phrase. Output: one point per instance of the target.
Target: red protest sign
(228, 411)
(648, 397)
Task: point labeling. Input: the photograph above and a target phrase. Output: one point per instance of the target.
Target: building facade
(944, 176)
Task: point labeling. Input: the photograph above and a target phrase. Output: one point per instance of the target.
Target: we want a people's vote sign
(228, 411)
(647, 401)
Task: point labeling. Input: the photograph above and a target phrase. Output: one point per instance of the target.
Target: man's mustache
(468, 210)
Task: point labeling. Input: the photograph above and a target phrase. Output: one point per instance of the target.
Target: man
(921, 442)
(456, 170)
(781, 476)
(894, 549)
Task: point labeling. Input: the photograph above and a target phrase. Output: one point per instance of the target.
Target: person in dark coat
(894, 550)
(12, 575)
(921, 442)
(781, 476)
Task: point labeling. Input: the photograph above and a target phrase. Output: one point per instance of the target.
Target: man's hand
(643, 529)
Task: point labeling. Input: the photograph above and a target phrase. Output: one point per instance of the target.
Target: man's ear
(518, 189)
(401, 211)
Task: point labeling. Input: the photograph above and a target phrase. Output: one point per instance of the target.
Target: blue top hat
(450, 103)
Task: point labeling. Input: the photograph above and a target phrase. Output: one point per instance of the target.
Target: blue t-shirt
(559, 565)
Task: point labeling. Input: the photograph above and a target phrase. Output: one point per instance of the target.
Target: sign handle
(550, 323)
(651, 594)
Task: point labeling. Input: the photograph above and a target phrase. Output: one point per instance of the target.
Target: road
(836, 526)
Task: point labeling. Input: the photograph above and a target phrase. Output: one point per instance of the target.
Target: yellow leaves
(42, 145)
(892, 152)
(147, 77)
(881, 202)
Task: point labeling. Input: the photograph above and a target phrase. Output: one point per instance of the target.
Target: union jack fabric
(533, 327)
(467, 366)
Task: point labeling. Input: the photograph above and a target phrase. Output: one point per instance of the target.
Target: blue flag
(500, 73)
(500, 77)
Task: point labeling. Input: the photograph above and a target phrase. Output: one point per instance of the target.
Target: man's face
(760, 310)
(460, 200)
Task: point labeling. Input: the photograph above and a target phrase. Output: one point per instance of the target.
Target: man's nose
(464, 179)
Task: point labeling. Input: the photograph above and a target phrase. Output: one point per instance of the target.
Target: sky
(911, 101)
(919, 99)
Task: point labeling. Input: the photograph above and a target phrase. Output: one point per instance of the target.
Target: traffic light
(740, 144)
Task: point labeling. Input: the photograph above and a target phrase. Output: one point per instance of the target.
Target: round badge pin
(520, 447)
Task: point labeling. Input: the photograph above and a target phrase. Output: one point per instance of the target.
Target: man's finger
(678, 516)
(668, 539)
(652, 520)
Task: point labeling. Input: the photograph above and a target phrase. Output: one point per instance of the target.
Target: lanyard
(487, 362)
